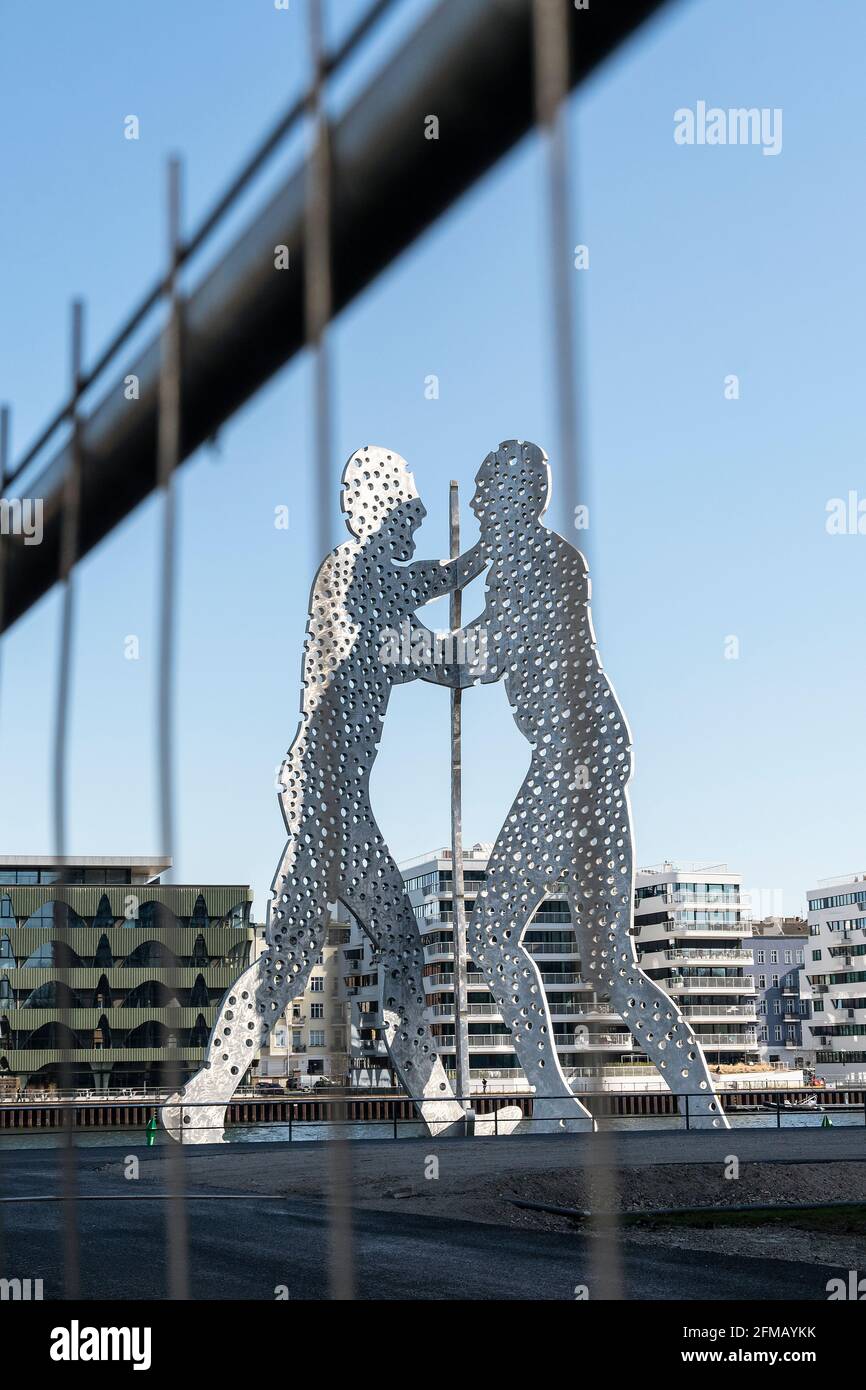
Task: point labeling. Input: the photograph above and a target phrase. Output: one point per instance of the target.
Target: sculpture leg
(502, 911)
(248, 1012)
(376, 896)
(651, 1017)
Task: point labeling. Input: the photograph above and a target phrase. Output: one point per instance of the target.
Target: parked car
(269, 1088)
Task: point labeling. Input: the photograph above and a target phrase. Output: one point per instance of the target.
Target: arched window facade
(50, 954)
(152, 994)
(54, 994)
(52, 1035)
(152, 1033)
(154, 954)
(55, 913)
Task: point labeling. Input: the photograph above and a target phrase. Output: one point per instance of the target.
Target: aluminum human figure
(364, 592)
(569, 830)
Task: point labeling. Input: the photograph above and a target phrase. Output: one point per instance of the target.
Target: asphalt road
(247, 1247)
(246, 1250)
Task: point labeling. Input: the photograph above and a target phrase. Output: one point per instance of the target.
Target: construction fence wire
(550, 38)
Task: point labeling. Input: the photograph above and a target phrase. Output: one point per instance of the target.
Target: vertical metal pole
(68, 555)
(4, 469)
(5, 432)
(551, 42)
(458, 913)
(318, 306)
(552, 20)
(168, 457)
(318, 290)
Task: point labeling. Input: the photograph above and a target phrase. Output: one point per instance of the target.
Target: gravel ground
(480, 1182)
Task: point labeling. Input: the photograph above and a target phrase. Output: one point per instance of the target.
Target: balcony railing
(720, 953)
(713, 1010)
(696, 983)
(707, 928)
(727, 1039)
(569, 1040)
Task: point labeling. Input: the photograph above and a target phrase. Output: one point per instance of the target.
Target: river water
(310, 1131)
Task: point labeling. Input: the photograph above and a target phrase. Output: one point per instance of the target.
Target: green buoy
(826, 1122)
(150, 1131)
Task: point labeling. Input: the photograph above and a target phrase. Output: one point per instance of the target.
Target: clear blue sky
(707, 515)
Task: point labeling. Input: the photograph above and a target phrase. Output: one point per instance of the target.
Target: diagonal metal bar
(244, 320)
(238, 186)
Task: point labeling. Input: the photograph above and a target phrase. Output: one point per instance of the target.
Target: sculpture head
(512, 488)
(379, 498)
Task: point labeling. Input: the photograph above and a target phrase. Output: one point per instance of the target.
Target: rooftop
(480, 850)
(699, 866)
(859, 876)
(158, 863)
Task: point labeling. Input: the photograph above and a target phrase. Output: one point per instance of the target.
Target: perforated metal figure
(335, 851)
(569, 830)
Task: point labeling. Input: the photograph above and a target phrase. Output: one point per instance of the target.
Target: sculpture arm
(431, 579)
(470, 656)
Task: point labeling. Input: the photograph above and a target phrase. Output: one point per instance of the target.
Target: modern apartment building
(594, 1045)
(836, 969)
(368, 1056)
(110, 974)
(692, 929)
(310, 1041)
(778, 946)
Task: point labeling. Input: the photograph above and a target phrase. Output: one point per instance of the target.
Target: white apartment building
(691, 927)
(704, 970)
(311, 1039)
(836, 969)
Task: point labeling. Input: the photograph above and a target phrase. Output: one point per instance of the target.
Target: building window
(816, 955)
(777, 1034)
(774, 957)
(759, 957)
(777, 1006)
(317, 984)
(317, 1011)
(762, 982)
(317, 1037)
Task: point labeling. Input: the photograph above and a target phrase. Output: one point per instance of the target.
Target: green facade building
(109, 978)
